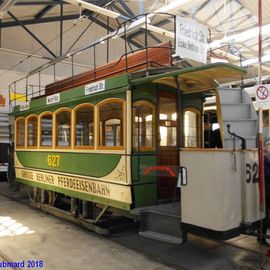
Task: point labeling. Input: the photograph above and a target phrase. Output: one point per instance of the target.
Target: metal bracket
(105, 208)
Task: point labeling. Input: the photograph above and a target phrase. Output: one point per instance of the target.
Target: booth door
(168, 154)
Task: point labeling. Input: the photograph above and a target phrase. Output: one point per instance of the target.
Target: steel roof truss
(29, 32)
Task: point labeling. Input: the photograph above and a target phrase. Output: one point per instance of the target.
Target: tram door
(168, 154)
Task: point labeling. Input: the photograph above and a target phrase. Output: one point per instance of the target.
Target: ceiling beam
(141, 31)
(5, 6)
(39, 3)
(107, 27)
(221, 23)
(42, 20)
(95, 8)
(124, 14)
(213, 14)
(132, 15)
(126, 8)
(203, 5)
(48, 19)
(104, 25)
(243, 20)
(30, 33)
(45, 10)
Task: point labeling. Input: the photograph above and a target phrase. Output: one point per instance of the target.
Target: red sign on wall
(2, 101)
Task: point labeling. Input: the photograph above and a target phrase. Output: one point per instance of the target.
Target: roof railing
(32, 85)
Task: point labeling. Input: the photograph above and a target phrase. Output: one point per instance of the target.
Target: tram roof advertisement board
(191, 39)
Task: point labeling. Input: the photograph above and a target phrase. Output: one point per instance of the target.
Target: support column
(61, 29)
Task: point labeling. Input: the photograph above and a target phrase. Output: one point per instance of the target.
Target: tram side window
(63, 120)
(20, 132)
(84, 135)
(111, 124)
(192, 128)
(143, 125)
(32, 127)
(46, 124)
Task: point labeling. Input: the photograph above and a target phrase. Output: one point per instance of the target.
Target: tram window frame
(28, 119)
(40, 130)
(122, 124)
(198, 127)
(134, 134)
(17, 133)
(75, 110)
(56, 113)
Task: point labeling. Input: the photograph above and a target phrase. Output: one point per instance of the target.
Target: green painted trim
(112, 85)
(76, 194)
(39, 105)
(84, 164)
(145, 92)
(187, 70)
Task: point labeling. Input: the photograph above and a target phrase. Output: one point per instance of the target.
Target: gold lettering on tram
(73, 183)
(53, 160)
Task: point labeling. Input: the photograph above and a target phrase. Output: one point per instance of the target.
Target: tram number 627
(252, 172)
(53, 160)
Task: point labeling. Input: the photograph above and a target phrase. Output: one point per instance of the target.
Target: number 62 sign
(252, 172)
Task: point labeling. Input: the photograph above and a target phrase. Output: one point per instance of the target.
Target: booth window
(20, 132)
(111, 124)
(143, 126)
(84, 134)
(46, 130)
(32, 128)
(192, 128)
(63, 121)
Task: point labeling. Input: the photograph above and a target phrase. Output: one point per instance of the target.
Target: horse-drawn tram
(130, 139)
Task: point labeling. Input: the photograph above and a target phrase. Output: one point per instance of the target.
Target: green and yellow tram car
(117, 143)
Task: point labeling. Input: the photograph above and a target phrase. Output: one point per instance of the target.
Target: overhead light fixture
(6, 5)
(218, 60)
(172, 6)
(252, 61)
(132, 26)
(251, 33)
(159, 30)
(95, 8)
(226, 54)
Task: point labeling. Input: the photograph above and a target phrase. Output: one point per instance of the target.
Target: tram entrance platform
(161, 222)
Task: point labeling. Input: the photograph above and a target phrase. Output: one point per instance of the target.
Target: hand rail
(243, 140)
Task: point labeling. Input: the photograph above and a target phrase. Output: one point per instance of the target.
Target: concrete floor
(29, 234)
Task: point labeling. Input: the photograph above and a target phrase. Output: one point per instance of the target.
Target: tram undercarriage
(101, 219)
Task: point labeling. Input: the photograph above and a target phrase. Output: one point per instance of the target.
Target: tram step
(161, 227)
(242, 127)
(161, 237)
(233, 110)
(230, 95)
